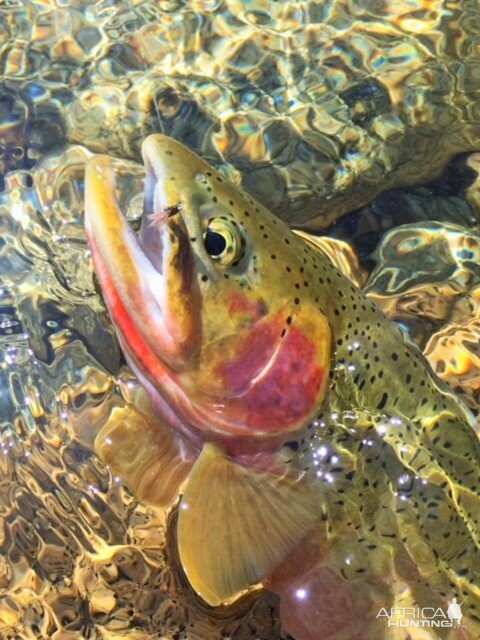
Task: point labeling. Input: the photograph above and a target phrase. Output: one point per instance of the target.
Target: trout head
(212, 301)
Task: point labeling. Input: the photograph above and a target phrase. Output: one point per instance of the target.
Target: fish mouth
(136, 274)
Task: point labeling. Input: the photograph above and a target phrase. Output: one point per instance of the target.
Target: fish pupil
(215, 243)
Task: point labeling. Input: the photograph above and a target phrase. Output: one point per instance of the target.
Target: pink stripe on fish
(287, 390)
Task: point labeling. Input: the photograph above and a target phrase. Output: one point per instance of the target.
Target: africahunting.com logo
(419, 617)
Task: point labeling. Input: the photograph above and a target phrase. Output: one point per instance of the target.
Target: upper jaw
(132, 274)
(172, 189)
(156, 200)
(168, 174)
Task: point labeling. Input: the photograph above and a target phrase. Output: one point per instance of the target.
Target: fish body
(327, 452)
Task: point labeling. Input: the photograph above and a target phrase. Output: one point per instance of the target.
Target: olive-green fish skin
(392, 439)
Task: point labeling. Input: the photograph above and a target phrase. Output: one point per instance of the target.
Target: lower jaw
(169, 416)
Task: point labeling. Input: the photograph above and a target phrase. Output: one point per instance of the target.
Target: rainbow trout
(322, 456)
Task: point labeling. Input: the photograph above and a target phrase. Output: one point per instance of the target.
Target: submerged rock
(427, 279)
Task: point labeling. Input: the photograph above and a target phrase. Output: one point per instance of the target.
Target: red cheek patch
(287, 388)
(251, 355)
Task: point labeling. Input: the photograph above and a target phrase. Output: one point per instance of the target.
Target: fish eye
(222, 241)
(215, 243)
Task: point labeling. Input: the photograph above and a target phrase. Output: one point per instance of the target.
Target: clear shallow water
(80, 557)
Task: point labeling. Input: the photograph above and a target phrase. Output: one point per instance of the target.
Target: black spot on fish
(383, 401)
(292, 445)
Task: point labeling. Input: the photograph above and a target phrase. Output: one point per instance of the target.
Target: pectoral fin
(149, 458)
(236, 524)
